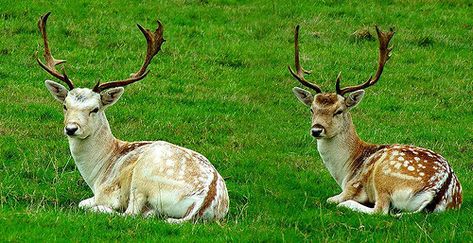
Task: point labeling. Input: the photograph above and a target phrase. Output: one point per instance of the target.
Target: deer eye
(338, 112)
(65, 108)
(311, 111)
(95, 110)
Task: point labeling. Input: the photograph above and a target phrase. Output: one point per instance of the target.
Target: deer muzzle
(71, 128)
(317, 131)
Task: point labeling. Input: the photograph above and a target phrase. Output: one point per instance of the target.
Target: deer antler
(300, 71)
(384, 55)
(154, 40)
(51, 62)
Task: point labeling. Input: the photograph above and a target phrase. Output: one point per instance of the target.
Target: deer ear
(354, 98)
(304, 96)
(58, 91)
(110, 96)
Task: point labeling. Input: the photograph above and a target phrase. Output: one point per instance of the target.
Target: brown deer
(401, 177)
(140, 178)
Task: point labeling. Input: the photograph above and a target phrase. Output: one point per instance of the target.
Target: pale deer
(132, 178)
(403, 178)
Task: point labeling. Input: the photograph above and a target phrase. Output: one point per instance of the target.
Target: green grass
(220, 86)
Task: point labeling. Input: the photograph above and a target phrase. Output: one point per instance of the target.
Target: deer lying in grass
(140, 178)
(401, 177)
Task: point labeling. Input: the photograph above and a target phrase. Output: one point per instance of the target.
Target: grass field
(220, 86)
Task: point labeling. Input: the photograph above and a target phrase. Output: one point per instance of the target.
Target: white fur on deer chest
(89, 164)
(335, 157)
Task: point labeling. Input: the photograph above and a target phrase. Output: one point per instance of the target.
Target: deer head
(83, 107)
(330, 111)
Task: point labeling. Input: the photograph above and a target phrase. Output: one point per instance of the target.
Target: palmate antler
(154, 40)
(300, 71)
(51, 63)
(384, 55)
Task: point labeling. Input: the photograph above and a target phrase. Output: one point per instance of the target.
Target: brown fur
(457, 197)
(375, 174)
(127, 147)
(362, 153)
(327, 99)
(189, 210)
(431, 206)
(210, 195)
(410, 167)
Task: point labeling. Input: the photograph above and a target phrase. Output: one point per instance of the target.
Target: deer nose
(71, 129)
(316, 131)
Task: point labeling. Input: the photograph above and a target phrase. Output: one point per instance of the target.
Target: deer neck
(339, 153)
(92, 154)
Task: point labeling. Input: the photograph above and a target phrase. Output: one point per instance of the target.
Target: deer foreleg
(91, 205)
(356, 206)
(351, 191)
(87, 203)
(381, 206)
(101, 209)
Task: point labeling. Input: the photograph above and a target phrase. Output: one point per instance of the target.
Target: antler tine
(337, 83)
(384, 55)
(154, 41)
(300, 71)
(51, 62)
